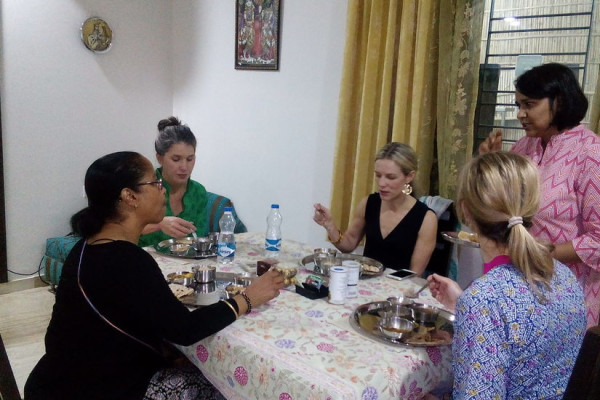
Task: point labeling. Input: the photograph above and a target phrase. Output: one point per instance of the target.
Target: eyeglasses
(157, 182)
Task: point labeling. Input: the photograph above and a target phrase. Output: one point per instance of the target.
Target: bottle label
(226, 250)
(272, 244)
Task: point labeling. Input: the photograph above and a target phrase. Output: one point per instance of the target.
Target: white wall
(264, 136)
(64, 106)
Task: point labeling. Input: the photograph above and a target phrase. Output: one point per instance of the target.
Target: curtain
(406, 76)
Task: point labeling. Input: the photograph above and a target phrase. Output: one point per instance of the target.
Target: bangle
(232, 309)
(341, 236)
(248, 303)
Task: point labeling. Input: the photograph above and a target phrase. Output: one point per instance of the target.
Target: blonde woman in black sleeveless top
(400, 231)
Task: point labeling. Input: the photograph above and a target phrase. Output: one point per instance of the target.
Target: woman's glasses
(157, 182)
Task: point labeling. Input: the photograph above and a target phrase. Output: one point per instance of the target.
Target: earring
(407, 189)
(135, 206)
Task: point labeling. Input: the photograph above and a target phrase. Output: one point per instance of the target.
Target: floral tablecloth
(297, 348)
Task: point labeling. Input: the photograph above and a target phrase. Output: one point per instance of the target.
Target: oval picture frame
(96, 35)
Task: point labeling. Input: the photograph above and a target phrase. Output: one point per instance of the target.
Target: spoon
(416, 294)
(195, 240)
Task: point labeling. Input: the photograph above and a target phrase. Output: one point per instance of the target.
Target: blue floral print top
(510, 345)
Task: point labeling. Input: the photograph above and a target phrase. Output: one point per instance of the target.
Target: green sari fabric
(194, 210)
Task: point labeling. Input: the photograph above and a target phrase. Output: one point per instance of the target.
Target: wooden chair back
(8, 384)
(584, 383)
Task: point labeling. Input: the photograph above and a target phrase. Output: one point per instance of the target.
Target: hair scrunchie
(512, 221)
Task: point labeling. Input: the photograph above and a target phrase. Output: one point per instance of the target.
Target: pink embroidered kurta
(570, 202)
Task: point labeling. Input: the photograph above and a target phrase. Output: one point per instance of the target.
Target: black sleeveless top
(395, 251)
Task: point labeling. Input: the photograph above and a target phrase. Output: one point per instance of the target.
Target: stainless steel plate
(164, 248)
(308, 263)
(453, 238)
(365, 317)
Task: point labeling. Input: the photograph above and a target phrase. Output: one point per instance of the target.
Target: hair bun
(171, 121)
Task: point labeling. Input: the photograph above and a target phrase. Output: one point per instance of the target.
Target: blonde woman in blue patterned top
(519, 327)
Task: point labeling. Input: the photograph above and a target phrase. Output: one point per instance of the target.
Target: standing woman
(400, 230)
(519, 327)
(551, 107)
(113, 307)
(186, 199)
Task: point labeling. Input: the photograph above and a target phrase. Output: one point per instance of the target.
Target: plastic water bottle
(273, 235)
(226, 244)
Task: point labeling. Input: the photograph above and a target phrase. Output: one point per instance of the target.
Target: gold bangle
(232, 309)
(341, 236)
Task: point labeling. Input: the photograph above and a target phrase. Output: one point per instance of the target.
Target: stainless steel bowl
(395, 327)
(206, 287)
(232, 290)
(203, 245)
(244, 279)
(398, 307)
(424, 314)
(179, 249)
(204, 273)
(324, 259)
(185, 278)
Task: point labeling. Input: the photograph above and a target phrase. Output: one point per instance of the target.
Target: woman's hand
(445, 290)
(492, 143)
(263, 289)
(322, 216)
(176, 227)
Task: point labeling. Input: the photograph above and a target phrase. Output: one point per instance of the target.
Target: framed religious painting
(257, 33)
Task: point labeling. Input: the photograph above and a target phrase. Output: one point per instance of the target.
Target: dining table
(294, 347)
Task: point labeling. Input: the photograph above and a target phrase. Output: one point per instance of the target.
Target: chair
(8, 384)
(215, 206)
(584, 383)
(447, 220)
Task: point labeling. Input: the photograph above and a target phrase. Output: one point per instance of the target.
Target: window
(534, 31)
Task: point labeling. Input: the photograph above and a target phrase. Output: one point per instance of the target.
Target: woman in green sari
(189, 205)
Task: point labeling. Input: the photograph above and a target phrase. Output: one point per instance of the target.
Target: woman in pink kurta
(551, 106)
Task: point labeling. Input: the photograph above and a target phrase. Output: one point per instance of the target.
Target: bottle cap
(228, 209)
(274, 205)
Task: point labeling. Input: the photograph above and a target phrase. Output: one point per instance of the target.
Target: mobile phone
(401, 274)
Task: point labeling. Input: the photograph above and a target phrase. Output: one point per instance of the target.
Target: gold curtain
(390, 91)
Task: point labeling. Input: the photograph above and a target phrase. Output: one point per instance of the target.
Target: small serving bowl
(397, 306)
(324, 259)
(185, 278)
(203, 245)
(204, 273)
(244, 279)
(232, 290)
(179, 249)
(395, 327)
(424, 314)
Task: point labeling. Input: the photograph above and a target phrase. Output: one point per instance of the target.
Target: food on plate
(371, 269)
(232, 290)
(472, 237)
(180, 291)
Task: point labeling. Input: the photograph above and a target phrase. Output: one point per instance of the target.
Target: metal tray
(308, 263)
(164, 248)
(453, 238)
(364, 320)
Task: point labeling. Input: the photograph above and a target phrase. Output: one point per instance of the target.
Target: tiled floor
(24, 317)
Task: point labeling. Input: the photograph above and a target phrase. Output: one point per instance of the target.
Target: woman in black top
(400, 230)
(113, 306)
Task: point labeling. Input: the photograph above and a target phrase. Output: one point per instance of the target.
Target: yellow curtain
(458, 79)
(390, 90)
